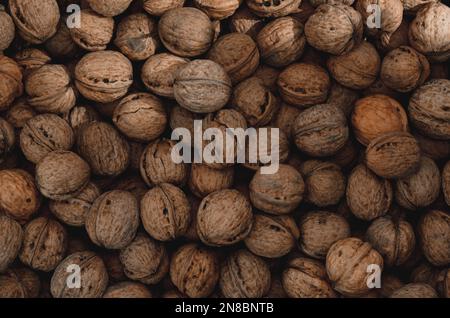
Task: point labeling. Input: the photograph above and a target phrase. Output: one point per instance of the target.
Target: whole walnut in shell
(159, 7)
(342, 97)
(19, 283)
(434, 235)
(204, 180)
(446, 182)
(19, 113)
(273, 8)
(246, 22)
(11, 85)
(412, 6)
(218, 9)
(62, 45)
(109, 8)
(284, 119)
(7, 138)
(80, 115)
(415, 290)
(11, 237)
(127, 290)
(30, 59)
(8, 30)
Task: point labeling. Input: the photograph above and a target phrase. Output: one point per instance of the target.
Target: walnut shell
(415, 291)
(61, 44)
(30, 59)
(10, 81)
(11, 237)
(284, 119)
(159, 7)
(398, 38)
(434, 234)
(244, 21)
(127, 290)
(446, 182)
(204, 180)
(218, 9)
(433, 148)
(109, 8)
(19, 113)
(412, 6)
(7, 138)
(343, 97)
(8, 30)
(80, 115)
(19, 283)
(273, 8)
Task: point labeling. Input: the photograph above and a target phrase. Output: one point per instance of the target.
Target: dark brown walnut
(244, 275)
(136, 150)
(269, 75)
(218, 9)
(420, 189)
(434, 235)
(202, 86)
(10, 81)
(324, 182)
(131, 182)
(224, 218)
(334, 29)
(446, 182)
(398, 38)
(433, 148)
(106, 151)
(93, 280)
(379, 88)
(140, 116)
(109, 8)
(36, 20)
(80, 115)
(186, 32)
(415, 290)
(342, 97)
(393, 155)
(113, 219)
(321, 130)
(306, 278)
(276, 289)
(272, 236)
(428, 109)
(30, 59)
(62, 45)
(443, 282)
(425, 273)
(195, 270)
(304, 85)
(103, 76)
(182, 118)
(127, 290)
(389, 284)
(393, 238)
(145, 260)
(439, 71)
(113, 266)
(356, 69)
(7, 138)
(347, 157)
(8, 29)
(347, 263)
(61, 175)
(246, 22)
(19, 113)
(278, 193)
(285, 117)
(19, 197)
(44, 244)
(319, 230)
(281, 41)
(19, 283)
(11, 237)
(159, 7)
(273, 8)
(165, 212)
(204, 180)
(368, 196)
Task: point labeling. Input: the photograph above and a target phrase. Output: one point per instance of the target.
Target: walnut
(244, 21)
(398, 38)
(446, 182)
(10, 81)
(415, 290)
(347, 157)
(19, 113)
(434, 235)
(31, 59)
(433, 148)
(413, 6)
(131, 182)
(218, 9)
(284, 119)
(19, 283)
(317, 3)
(11, 237)
(127, 290)
(343, 97)
(7, 138)
(61, 44)
(204, 180)
(109, 8)
(159, 7)
(80, 115)
(269, 76)
(8, 29)
(274, 8)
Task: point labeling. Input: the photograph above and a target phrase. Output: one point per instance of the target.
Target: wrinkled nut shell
(11, 235)
(11, 85)
(127, 290)
(434, 234)
(415, 291)
(109, 8)
(446, 183)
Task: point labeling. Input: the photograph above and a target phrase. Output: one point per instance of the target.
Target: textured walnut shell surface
(61, 44)
(11, 236)
(19, 197)
(109, 8)
(7, 138)
(244, 21)
(106, 151)
(195, 270)
(202, 86)
(19, 113)
(165, 212)
(398, 38)
(343, 97)
(11, 85)
(103, 76)
(347, 262)
(273, 8)
(413, 6)
(285, 117)
(281, 41)
(356, 69)
(443, 283)
(317, 3)
(44, 244)
(334, 29)
(145, 260)
(429, 111)
(36, 20)
(320, 230)
(434, 234)
(368, 195)
(306, 278)
(224, 218)
(393, 155)
(415, 290)
(376, 115)
(433, 148)
(204, 180)
(30, 59)
(80, 115)
(7, 28)
(278, 193)
(159, 7)
(446, 182)
(269, 76)
(420, 189)
(127, 290)
(94, 277)
(244, 275)
(218, 9)
(19, 283)
(321, 130)
(61, 175)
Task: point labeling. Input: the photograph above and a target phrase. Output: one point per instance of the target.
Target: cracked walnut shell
(274, 8)
(204, 180)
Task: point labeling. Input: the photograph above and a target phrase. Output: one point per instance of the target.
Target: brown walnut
(434, 235)
(11, 237)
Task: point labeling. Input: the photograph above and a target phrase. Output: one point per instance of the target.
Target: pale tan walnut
(413, 6)
(278, 193)
(368, 196)
(103, 76)
(321, 130)
(204, 180)
(272, 236)
(218, 9)
(285, 117)
(319, 230)
(36, 20)
(356, 69)
(334, 29)
(158, 167)
(186, 32)
(141, 117)
(145, 260)
(7, 138)
(137, 36)
(195, 270)
(274, 8)
(244, 21)
(158, 73)
(428, 37)
(343, 97)
(202, 86)
(244, 275)
(109, 8)
(94, 277)
(224, 218)
(415, 290)
(11, 237)
(446, 182)
(317, 3)
(420, 189)
(30, 59)
(19, 197)
(165, 212)
(61, 175)
(19, 283)
(80, 115)
(376, 115)
(159, 7)
(182, 118)
(304, 85)
(434, 235)
(7, 28)
(306, 278)
(11, 85)
(393, 155)
(127, 290)
(347, 264)
(44, 244)
(106, 151)
(429, 111)
(282, 41)
(62, 45)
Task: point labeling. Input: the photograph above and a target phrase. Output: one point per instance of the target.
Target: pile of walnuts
(88, 102)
